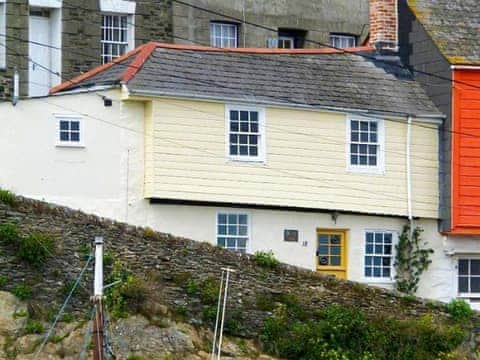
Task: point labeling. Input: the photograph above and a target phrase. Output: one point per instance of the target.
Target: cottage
(320, 155)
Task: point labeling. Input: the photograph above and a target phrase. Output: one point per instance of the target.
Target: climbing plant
(412, 258)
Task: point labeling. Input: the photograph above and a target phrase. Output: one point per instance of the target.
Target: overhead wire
(62, 308)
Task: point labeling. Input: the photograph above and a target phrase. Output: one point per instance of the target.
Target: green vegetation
(209, 314)
(35, 248)
(209, 290)
(85, 250)
(266, 259)
(459, 310)
(7, 197)
(108, 258)
(411, 260)
(191, 287)
(33, 327)
(22, 291)
(339, 332)
(9, 233)
(127, 297)
(3, 281)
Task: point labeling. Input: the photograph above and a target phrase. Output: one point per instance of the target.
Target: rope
(60, 312)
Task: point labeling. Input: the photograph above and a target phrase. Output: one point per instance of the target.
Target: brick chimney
(384, 24)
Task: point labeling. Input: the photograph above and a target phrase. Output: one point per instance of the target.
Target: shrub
(3, 281)
(108, 258)
(459, 310)
(266, 259)
(35, 248)
(33, 327)
(129, 296)
(209, 314)
(9, 233)
(209, 291)
(191, 287)
(7, 197)
(22, 291)
(338, 332)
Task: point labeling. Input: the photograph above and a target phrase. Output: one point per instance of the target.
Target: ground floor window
(378, 254)
(469, 276)
(232, 231)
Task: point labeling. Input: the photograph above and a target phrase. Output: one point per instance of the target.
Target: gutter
(431, 118)
(465, 67)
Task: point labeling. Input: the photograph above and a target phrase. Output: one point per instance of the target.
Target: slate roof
(453, 25)
(313, 78)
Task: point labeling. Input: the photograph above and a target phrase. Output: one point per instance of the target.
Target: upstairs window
(469, 277)
(378, 255)
(69, 131)
(285, 42)
(245, 135)
(223, 35)
(232, 231)
(365, 140)
(117, 36)
(342, 41)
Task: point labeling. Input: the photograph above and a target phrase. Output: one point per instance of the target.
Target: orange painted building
(465, 207)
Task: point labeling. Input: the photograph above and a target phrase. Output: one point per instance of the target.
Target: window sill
(365, 170)
(378, 281)
(245, 160)
(69, 145)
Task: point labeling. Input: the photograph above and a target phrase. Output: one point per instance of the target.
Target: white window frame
(69, 143)
(262, 141)
(380, 280)
(342, 38)
(234, 212)
(130, 43)
(3, 38)
(220, 25)
(466, 296)
(367, 169)
(283, 39)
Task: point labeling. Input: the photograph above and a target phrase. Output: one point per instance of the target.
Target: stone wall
(81, 24)
(319, 18)
(164, 259)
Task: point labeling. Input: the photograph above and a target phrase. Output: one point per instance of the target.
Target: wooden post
(98, 301)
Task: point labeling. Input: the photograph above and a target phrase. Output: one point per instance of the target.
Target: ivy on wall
(412, 259)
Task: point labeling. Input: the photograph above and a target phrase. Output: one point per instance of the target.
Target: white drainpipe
(409, 173)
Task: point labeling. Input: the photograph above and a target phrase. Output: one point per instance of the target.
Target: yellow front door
(331, 253)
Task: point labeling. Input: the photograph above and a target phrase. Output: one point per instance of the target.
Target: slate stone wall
(164, 259)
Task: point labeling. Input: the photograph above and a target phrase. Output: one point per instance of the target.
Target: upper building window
(245, 135)
(3, 37)
(288, 39)
(343, 40)
(117, 35)
(365, 138)
(223, 35)
(285, 42)
(69, 130)
(469, 277)
(378, 255)
(232, 231)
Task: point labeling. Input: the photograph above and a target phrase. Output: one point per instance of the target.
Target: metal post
(98, 300)
(16, 87)
(228, 270)
(212, 357)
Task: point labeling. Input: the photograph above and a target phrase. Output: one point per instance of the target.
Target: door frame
(344, 251)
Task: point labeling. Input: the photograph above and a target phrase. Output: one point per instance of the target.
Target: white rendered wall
(106, 178)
